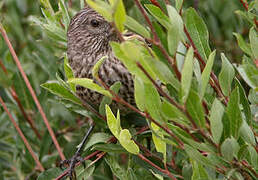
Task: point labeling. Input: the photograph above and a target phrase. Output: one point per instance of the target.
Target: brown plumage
(89, 35)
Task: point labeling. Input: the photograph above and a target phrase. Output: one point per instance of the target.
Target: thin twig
(156, 41)
(247, 166)
(146, 115)
(41, 168)
(156, 3)
(214, 82)
(157, 167)
(148, 153)
(77, 164)
(70, 3)
(96, 153)
(245, 4)
(32, 92)
(163, 93)
(16, 98)
(182, 109)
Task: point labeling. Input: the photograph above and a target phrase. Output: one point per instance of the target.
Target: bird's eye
(94, 23)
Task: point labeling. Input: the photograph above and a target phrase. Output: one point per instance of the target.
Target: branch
(156, 38)
(245, 4)
(148, 153)
(32, 92)
(172, 101)
(60, 177)
(157, 167)
(98, 154)
(215, 83)
(16, 98)
(146, 115)
(41, 168)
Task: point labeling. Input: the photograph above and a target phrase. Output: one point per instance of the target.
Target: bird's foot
(71, 165)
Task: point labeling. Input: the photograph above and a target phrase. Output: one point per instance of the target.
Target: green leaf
(226, 75)
(66, 17)
(244, 102)
(159, 15)
(88, 83)
(152, 101)
(57, 89)
(119, 14)
(113, 148)
(172, 113)
(179, 4)
(95, 69)
(129, 53)
(175, 32)
(253, 156)
(158, 176)
(216, 114)
(160, 145)
(247, 134)
(197, 156)
(198, 32)
(67, 68)
(69, 72)
(195, 109)
(242, 44)
(118, 170)
(102, 8)
(139, 93)
(127, 143)
(244, 15)
(229, 148)
(136, 27)
(97, 138)
(254, 42)
(107, 100)
(131, 50)
(46, 4)
(82, 4)
(234, 114)
(187, 73)
(199, 173)
(163, 73)
(249, 73)
(85, 172)
(113, 122)
(50, 174)
(206, 73)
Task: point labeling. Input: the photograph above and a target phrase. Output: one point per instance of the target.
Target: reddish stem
(156, 40)
(16, 98)
(156, 3)
(214, 82)
(245, 4)
(146, 115)
(157, 167)
(25, 115)
(41, 168)
(70, 3)
(32, 92)
(148, 153)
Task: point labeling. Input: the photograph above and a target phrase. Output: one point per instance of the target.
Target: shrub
(200, 109)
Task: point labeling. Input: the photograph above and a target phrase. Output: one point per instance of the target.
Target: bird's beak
(111, 33)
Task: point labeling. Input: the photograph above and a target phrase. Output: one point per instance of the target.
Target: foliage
(197, 101)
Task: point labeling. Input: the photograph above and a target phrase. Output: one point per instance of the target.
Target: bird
(88, 40)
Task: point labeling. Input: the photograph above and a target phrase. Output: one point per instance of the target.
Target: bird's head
(89, 31)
